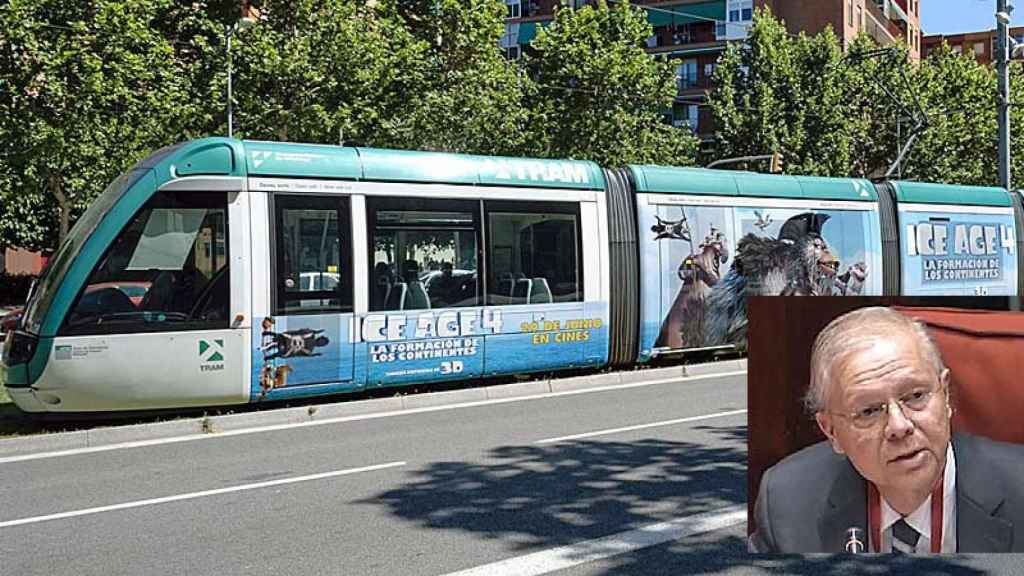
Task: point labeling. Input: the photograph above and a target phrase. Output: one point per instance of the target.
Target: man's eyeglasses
(872, 415)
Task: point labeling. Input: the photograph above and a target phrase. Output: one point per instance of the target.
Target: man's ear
(944, 382)
(827, 426)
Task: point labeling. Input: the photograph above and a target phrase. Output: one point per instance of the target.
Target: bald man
(890, 467)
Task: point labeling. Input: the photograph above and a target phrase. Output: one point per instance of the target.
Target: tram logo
(211, 353)
(260, 156)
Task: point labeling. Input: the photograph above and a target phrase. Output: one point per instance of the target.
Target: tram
(221, 272)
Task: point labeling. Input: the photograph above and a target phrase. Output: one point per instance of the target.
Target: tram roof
(222, 156)
(666, 180)
(927, 193)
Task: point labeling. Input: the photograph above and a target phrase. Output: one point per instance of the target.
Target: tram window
(533, 254)
(168, 270)
(312, 255)
(423, 254)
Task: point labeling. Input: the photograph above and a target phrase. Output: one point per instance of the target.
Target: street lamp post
(229, 30)
(1003, 65)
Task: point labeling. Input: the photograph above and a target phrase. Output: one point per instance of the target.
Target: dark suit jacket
(807, 501)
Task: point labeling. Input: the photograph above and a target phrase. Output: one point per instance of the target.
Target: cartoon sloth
(797, 263)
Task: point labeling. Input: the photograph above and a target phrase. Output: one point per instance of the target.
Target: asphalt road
(640, 480)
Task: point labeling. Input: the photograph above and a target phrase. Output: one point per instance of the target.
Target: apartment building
(981, 45)
(692, 34)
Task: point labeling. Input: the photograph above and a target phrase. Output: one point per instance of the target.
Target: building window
(979, 49)
(686, 74)
(734, 15)
(514, 8)
(709, 70)
(957, 49)
(748, 14)
(512, 52)
(685, 116)
(849, 11)
(720, 30)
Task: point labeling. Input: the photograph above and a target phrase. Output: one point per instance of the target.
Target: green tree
(88, 89)
(599, 95)
(473, 99)
(324, 71)
(851, 115)
(781, 94)
(960, 98)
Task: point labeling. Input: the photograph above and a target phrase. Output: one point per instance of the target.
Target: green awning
(527, 30)
(691, 51)
(685, 13)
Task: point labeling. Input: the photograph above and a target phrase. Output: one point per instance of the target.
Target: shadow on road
(538, 497)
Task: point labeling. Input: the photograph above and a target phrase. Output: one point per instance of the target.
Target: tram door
(425, 320)
(304, 346)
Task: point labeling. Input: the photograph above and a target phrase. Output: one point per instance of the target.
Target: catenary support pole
(1003, 66)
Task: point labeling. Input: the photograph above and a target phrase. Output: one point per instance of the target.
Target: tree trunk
(56, 186)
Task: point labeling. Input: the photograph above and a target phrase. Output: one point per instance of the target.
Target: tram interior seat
(540, 292)
(521, 291)
(504, 285)
(212, 303)
(160, 294)
(382, 286)
(396, 296)
(410, 294)
(416, 297)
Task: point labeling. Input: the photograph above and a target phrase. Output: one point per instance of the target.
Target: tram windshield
(53, 275)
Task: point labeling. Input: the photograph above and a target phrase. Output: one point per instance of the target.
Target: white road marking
(359, 417)
(640, 427)
(193, 495)
(592, 550)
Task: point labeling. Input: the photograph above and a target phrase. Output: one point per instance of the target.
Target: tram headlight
(18, 348)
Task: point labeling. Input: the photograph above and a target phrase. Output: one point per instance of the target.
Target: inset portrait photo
(886, 425)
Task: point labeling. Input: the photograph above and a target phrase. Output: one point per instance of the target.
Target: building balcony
(892, 10)
(689, 49)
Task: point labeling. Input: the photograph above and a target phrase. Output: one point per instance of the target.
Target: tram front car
(138, 286)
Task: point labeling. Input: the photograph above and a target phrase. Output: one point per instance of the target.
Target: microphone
(854, 540)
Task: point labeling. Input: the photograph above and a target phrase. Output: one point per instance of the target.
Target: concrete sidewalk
(186, 427)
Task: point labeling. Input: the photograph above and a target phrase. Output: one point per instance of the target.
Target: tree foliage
(836, 115)
(88, 89)
(782, 94)
(599, 95)
(471, 98)
(323, 71)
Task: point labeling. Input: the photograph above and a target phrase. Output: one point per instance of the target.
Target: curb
(211, 425)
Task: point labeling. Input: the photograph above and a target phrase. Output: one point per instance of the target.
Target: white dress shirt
(921, 519)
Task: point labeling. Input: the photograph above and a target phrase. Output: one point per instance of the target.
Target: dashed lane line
(564, 557)
(639, 427)
(194, 495)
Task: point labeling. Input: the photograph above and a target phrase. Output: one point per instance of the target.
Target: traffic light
(776, 165)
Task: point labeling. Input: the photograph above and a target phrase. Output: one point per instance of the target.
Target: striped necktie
(904, 538)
